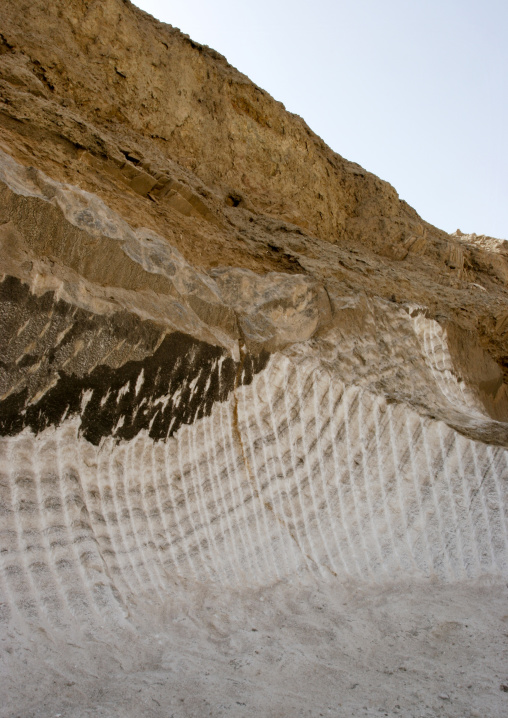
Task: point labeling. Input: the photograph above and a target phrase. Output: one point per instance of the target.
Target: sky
(415, 91)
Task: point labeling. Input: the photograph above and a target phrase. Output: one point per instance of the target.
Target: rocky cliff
(231, 360)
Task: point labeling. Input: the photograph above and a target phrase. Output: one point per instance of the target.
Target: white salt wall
(297, 475)
(437, 358)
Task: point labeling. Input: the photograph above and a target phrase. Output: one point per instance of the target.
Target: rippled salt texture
(296, 474)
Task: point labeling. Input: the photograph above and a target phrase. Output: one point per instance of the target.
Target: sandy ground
(419, 649)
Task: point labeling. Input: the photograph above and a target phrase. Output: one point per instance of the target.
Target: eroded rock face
(230, 359)
(177, 381)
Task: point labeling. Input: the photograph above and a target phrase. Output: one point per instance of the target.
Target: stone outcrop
(231, 360)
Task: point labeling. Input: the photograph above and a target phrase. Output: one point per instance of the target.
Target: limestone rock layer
(232, 364)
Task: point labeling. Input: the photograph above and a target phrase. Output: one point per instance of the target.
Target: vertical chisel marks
(341, 484)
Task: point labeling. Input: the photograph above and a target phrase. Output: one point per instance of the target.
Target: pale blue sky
(415, 91)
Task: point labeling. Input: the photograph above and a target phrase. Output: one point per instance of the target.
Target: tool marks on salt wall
(293, 474)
